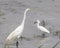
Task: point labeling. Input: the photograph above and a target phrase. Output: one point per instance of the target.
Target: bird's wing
(17, 32)
(10, 37)
(43, 29)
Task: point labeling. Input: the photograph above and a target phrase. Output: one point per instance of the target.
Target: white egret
(16, 34)
(41, 27)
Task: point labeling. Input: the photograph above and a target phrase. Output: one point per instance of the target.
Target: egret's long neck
(37, 24)
(24, 17)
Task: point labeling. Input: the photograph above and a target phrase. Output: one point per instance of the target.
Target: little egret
(16, 34)
(41, 27)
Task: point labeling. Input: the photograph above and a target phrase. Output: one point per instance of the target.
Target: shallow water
(48, 10)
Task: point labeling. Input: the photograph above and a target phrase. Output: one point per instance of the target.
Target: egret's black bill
(35, 22)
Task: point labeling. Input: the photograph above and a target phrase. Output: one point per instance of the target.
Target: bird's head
(37, 21)
(28, 9)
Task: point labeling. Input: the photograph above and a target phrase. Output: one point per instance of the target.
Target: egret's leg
(43, 35)
(21, 38)
(17, 43)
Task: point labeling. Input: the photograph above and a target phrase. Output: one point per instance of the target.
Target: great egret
(41, 27)
(16, 34)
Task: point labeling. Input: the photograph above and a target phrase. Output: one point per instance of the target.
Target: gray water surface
(12, 15)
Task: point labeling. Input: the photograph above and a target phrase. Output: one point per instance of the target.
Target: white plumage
(41, 27)
(18, 31)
